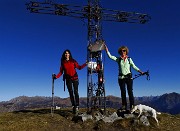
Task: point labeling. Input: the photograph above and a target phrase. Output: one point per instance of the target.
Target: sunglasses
(123, 50)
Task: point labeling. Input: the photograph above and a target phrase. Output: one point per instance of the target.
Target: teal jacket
(124, 66)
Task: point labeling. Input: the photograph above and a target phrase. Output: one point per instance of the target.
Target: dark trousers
(129, 83)
(72, 86)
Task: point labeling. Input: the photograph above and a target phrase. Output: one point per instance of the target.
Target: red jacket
(69, 69)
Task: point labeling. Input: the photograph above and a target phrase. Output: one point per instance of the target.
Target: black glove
(54, 76)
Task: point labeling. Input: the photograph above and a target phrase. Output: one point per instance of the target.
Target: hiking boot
(131, 107)
(77, 108)
(123, 109)
(73, 109)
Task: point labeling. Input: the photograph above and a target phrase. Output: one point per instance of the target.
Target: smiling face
(123, 51)
(67, 55)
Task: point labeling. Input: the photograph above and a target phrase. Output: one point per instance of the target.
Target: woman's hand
(142, 73)
(106, 48)
(86, 62)
(54, 76)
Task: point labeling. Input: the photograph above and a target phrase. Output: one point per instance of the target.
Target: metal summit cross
(94, 14)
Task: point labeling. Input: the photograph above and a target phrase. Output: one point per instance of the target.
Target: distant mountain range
(167, 103)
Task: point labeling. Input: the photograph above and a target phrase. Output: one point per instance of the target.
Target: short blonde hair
(123, 48)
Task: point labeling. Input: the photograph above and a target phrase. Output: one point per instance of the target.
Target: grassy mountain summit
(62, 120)
(34, 114)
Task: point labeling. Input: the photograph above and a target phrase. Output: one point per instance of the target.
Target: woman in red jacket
(68, 67)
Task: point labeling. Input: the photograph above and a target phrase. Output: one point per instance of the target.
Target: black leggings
(122, 84)
(73, 93)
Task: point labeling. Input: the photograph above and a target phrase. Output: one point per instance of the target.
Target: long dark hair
(63, 56)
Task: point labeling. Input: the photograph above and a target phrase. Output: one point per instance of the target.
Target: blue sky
(31, 46)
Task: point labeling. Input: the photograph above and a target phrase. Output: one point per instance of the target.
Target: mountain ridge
(167, 103)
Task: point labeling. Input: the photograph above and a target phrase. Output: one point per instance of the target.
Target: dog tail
(158, 113)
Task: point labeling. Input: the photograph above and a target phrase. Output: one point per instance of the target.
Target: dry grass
(62, 120)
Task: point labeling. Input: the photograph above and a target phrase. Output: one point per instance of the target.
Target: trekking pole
(52, 106)
(145, 73)
(64, 82)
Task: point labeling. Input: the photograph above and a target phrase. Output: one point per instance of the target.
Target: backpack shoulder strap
(129, 63)
(119, 59)
(129, 59)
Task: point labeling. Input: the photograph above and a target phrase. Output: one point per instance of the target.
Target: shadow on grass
(64, 112)
(39, 111)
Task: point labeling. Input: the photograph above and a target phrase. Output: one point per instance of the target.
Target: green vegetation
(62, 120)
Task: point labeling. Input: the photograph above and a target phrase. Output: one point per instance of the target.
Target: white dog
(144, 108)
